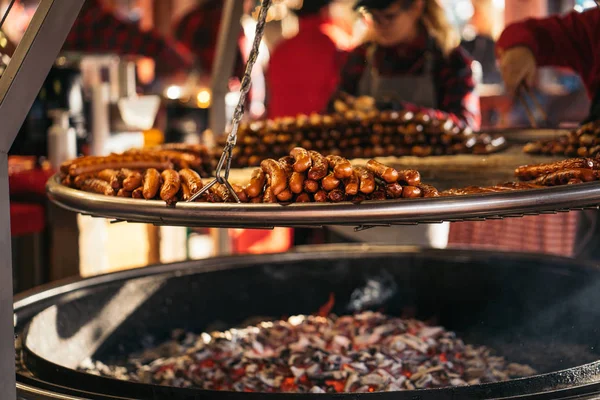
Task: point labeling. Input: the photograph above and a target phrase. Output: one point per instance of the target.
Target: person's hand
(517, 66)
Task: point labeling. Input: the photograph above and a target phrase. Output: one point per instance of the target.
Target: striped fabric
(550, 234)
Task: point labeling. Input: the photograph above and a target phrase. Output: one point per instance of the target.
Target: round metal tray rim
(310, 214)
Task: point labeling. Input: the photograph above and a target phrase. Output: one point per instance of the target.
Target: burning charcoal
(364, 352)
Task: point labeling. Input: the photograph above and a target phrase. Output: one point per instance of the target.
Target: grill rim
(582, 378)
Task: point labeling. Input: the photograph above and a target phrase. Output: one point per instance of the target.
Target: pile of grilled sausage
(307, 175)
(302, 176)
(142, 174)
(358, 134)
(583, 142)
(565, 172)
(174, 173)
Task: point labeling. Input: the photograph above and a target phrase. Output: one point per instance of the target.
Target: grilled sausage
(367, 180)
(311, 186)
(378, 194)
(287, 162)
(241, 194)
(110, 176)
(151, 183)
(133, 161)
(321, 196)
(319, 167)
(409, 177)
(257, 183)
(276, 173)
(296, 182)
(303, 198)
(330, 182)
(411, 192)
(192, 180)
(341, 167)
(285, 196)
(213, 198)
(94, 185)
(336, 195)
(185, 191)
(123, 193)
(529, 172)
(564, 176)
(221, 191)
(428, 190)
(80, 179)
(359, 198)
(269, 196)
(393, 190)
(138, 193)
(351, 183)
(302, 159)
(133, 181)
(388, 174)
(171, 185)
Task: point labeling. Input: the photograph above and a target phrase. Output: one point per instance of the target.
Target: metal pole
(229, 32)
(19, 85)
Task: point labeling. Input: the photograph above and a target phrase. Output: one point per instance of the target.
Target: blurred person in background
(413, 60)
(303, 71)
(569, 41)
(198, 31)
(478, 40)
(98, 29)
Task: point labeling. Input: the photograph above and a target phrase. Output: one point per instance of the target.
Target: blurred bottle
(62, 139)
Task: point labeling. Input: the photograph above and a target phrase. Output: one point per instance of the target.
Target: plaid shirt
(96, 29)
(456, 96)
(198, 30)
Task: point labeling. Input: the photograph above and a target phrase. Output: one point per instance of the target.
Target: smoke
(376, 291)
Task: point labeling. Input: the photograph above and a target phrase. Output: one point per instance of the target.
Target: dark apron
(416, 89)
(587, 242)
(419, 90)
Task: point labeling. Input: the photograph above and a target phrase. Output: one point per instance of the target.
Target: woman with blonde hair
(413, 60)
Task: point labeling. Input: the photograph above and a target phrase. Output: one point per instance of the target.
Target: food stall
(245, 326)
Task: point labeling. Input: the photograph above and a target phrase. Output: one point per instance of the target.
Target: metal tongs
(535, 113)
(224, 165)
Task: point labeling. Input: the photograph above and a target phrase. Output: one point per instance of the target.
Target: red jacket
(303, 71)
(571, 41)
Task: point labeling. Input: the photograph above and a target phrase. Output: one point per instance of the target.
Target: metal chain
(226, 157)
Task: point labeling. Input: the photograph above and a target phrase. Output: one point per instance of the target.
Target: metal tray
(367, 214)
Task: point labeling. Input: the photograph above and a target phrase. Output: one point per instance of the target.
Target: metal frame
(19, 85)
(229, 32)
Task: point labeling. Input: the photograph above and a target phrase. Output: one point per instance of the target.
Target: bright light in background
(464, 10)
(173, 92)
(582, 5)
(498, 4)
(232, 98)
(203, 98)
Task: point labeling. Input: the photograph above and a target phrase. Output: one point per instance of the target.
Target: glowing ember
(366, 352)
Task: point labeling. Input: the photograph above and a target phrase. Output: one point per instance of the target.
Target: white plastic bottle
(62, 139)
